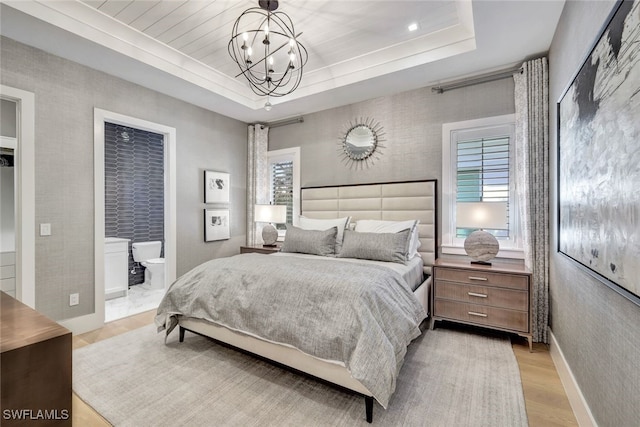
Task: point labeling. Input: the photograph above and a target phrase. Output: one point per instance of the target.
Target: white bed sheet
(412, 272)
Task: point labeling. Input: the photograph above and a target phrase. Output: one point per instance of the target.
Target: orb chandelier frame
(269, 54)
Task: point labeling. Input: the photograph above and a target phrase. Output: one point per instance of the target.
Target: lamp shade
(276, 214)
(485, 215)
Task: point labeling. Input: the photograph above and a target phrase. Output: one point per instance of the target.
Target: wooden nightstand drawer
(483, 295)
(482, 315)
(475, 277)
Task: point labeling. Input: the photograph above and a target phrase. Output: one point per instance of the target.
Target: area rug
(449, 378)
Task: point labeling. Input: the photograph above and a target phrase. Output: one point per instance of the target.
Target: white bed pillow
(381, 226)
(325, 224)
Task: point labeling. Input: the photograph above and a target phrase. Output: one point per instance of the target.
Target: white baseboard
(574, 394)
(82, 324)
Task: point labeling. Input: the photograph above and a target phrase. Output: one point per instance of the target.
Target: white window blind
(282, 187)
(284, 183)
(482, 174)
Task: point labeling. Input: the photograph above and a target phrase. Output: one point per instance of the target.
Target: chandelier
(265, 47)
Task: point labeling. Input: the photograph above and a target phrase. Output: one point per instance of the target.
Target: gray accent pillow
(391, 247)
(314, 242)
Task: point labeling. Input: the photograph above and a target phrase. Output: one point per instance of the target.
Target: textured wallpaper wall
(412, 123)
(65, 95)
(596, 328)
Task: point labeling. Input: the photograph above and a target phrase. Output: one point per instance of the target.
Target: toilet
(148, 255)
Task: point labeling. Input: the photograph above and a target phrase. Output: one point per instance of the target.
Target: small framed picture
(216, 187)
(216, 224)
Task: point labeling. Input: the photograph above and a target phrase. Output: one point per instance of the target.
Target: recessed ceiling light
(413, 26)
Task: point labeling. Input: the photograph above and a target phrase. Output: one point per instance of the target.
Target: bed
(405, 285)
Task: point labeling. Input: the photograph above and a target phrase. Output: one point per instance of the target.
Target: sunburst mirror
(360, 142)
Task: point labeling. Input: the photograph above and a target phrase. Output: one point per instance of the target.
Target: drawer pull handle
(473, 294)
(483, 279)
(473, 313)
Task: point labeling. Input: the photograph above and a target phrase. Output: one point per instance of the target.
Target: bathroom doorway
(135, 201)
(134, 216)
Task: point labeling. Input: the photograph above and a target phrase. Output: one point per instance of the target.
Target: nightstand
(259, 249)
(496, 296)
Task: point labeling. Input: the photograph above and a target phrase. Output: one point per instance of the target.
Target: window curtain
(532, 167)
(257, 178)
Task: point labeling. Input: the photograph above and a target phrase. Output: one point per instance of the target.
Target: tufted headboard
(394, 201)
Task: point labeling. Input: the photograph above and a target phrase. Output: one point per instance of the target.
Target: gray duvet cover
(358, 314)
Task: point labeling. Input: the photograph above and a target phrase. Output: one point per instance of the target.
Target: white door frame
(25, 195)
(96, 320)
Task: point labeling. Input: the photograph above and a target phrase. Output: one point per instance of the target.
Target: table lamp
(481, 246)
(270, 214)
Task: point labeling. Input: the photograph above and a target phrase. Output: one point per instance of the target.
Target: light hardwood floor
(544, 395)
(546, 401)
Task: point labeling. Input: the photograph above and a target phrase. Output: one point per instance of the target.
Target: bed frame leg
(182, 330)
(368, 404)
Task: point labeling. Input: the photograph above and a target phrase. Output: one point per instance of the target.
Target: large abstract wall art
(599, 156)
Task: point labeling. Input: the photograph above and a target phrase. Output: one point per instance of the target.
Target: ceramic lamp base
(269, 235)
(481, 246)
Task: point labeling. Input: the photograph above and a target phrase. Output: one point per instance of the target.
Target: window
(284, 182)
(478, 166)
(482, 174)
(281, 180)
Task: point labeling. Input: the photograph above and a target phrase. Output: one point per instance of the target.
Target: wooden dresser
(36, 367)
(496, 296)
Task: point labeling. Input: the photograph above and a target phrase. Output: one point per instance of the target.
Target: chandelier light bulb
(267, 106)
(292, 42)
(245, 36)
(270, 70)
(266, 30)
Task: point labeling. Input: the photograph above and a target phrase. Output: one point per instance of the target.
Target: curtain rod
(485, 78)
(283, 122)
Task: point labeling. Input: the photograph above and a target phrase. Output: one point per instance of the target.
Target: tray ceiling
(357, 49)
(334, 32)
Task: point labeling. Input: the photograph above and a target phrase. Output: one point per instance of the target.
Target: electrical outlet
(74, 299)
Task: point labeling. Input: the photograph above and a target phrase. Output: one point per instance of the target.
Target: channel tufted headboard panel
(394, 201)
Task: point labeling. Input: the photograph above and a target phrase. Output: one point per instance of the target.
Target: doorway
(18, 198)
(108, 120)
(8, 145)
(134, 215)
